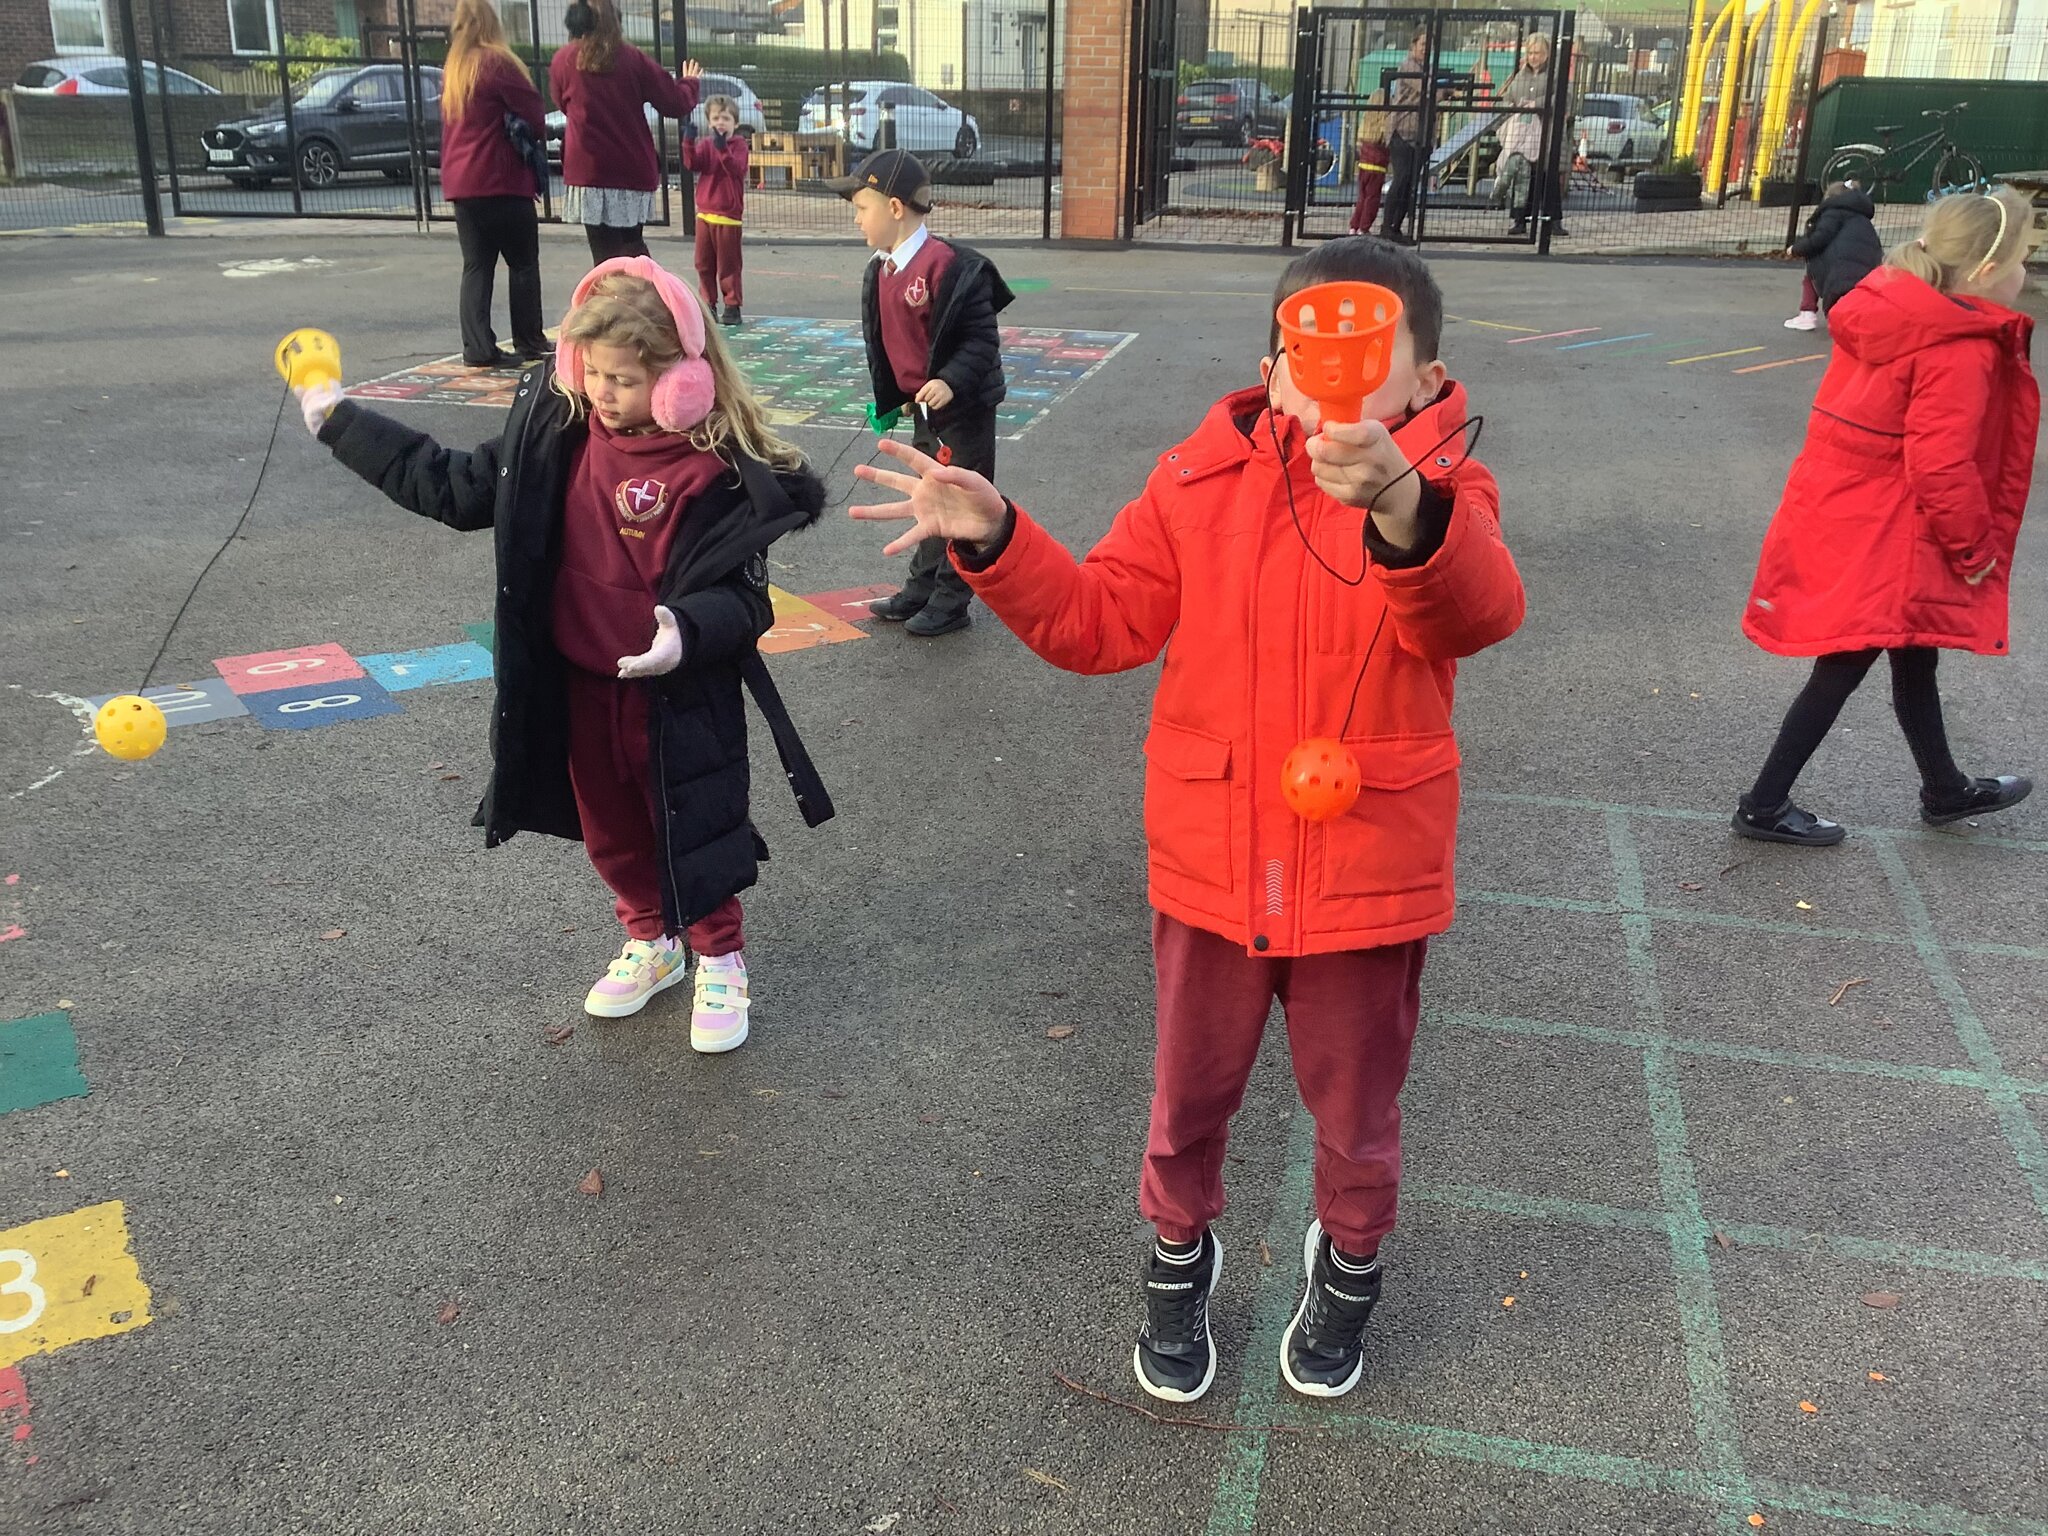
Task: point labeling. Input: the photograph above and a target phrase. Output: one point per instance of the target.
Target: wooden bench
(794, 158)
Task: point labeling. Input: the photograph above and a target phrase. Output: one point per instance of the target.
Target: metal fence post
(1550, 197)
(284, 94)
(1301, 131)
(1820, 52)
(145, 157)
(1052, 8)
(163, 101)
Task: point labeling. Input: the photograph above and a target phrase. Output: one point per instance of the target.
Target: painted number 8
(331, 701)
(23, 1284)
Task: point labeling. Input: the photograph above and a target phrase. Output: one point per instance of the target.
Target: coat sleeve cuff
(976, 558)
(1432, 521)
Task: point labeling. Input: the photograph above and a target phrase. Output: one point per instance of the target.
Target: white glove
(317, 403)
(665, 655)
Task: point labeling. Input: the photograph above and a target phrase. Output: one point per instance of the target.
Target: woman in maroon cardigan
(603, 84)
(483, 84)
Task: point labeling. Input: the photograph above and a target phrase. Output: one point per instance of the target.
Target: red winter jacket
(477, 157)
(721, 172)
(1266, 650)
(606, 143)
(1914, 473)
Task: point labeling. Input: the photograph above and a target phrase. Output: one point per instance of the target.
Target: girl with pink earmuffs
(635, 490)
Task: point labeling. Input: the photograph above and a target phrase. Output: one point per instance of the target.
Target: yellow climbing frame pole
(1778, 95)
(1685, 119)
(1730, 106)
(1686, 141)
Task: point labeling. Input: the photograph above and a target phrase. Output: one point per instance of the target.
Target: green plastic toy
(883, 425)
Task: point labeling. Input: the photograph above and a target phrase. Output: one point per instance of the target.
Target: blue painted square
(317, 704)
(463, 662)
(191, 703)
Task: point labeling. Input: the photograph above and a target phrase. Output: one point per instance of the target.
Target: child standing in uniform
(1297, 566)
(1372, 169)
(928, 309)
(718, 161)
(635, 490)
(1896, 530)
(1840, 248)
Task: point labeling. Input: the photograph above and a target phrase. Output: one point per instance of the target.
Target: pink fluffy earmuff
(684, 393)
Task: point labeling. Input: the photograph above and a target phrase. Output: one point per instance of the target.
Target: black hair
(579, 21)
(1369, 259)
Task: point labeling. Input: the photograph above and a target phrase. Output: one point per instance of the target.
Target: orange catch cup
(1340, 343)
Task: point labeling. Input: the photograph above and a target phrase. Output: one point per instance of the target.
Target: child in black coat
(1841, 248)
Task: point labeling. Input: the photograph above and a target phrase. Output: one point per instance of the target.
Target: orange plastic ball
(1319, 780)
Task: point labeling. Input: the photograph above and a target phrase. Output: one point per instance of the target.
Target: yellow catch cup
(307, 356)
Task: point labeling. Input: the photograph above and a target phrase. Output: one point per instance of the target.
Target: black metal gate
(1155, 76)
(1474, 133)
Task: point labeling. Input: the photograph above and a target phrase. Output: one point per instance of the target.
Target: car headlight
(264, 131)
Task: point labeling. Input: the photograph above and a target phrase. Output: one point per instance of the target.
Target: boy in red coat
(1315, 581)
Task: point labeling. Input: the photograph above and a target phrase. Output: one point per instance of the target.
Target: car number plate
(1201, 118)
(221, 156)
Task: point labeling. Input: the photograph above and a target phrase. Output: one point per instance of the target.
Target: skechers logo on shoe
(1169, 1285)
(1344, 1295)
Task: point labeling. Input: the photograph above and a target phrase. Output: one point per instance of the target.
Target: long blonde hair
(622, 310)
(1966, 236)
(475, 38)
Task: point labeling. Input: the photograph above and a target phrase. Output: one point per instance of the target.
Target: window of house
(79, 26)
(518, 18)
(249, 27)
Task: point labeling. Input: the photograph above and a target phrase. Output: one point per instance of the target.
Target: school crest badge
(917, 292)
(640, 500)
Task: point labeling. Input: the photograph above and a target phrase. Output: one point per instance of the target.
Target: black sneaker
(897, 608)
(1323, 1351)
(931, 623)
(1979, 798)
(731, 315)
(1175, 1357)
(1787, 823)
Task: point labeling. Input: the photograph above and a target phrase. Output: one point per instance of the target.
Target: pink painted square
(268, 671)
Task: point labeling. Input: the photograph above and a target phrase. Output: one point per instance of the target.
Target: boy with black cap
(928, 309)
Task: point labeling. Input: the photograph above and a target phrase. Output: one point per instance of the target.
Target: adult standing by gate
(485, 89)
(1404, 138)
(603, 84)
(1529, 89)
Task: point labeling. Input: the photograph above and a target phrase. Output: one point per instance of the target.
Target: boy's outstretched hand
(1360, 464)
(940, 500)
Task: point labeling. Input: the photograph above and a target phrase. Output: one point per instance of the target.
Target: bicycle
(1871, 166)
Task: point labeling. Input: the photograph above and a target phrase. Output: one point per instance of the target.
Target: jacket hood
(1892, 314)
(1855, 200)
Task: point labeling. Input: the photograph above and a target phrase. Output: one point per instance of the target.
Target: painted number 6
(331, 701)
(23, 1284)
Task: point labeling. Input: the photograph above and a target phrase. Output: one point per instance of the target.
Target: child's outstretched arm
(718, 625)
(1108, 613)
(453, 487)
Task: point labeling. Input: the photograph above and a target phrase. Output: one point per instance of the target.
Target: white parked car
(103, 75)
(924, 123)
(1620, 129)
(752, 118)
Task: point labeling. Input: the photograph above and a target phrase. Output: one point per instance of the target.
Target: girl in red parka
(483, 86)
(1897, 526)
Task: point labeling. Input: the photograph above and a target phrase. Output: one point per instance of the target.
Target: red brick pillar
(1096, 62)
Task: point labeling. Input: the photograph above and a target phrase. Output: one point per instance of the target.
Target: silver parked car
(103, 75)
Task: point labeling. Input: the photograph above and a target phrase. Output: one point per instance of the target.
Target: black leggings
(608, 240)
(1915, 698)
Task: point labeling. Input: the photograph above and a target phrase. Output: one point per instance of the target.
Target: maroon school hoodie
(607, 143)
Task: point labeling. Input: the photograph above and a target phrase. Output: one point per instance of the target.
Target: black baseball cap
(891, 172)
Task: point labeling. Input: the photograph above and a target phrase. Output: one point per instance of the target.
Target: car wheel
(319, 164)
(965, 143)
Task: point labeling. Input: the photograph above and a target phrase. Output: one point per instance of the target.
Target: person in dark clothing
(1840, 248)
(1404, 139)
(928, 309)
(634, 491)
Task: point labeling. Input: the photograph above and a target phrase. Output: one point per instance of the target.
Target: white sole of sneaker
(1308, 1269)
(1201, 1388)
(709, 1047)
(626, 1010)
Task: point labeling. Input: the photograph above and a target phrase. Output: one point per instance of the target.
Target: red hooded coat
(1914, 473)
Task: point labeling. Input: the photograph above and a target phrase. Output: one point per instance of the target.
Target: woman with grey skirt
(603, 85)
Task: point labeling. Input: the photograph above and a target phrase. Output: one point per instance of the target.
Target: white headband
(1991, 256)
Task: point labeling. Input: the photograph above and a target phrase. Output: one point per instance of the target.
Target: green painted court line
(1699, 1312)
(1235, 1507)
(1656, 346)
(1892, 1514)
(39, 1062)
(1028, 284)
(1680, 813)
(2021, 1134)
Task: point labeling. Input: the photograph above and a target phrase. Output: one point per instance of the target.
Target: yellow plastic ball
(129, 727)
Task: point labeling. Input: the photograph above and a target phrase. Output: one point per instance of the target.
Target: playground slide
(1460, 141)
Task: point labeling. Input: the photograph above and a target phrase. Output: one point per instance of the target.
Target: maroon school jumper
(906, 300)
(721, 189)
(627, 495)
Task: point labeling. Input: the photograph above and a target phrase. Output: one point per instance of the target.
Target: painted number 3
(331, 701)
(24, 1285)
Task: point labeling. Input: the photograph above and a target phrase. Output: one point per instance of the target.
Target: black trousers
(1546, 196)
(1915, 698)
(491, 229)
(971, 439)
(608, 240)
(1404, 161)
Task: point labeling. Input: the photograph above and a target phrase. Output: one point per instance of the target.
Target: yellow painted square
(799, 625)
(67, 1279)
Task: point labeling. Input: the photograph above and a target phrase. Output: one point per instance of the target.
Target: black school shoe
(1323, 1351)
(1980, 798)
(1787, 823)
(930, 623)
(731, 315)
(500, 359)
(1175, 1357)
(898, 607)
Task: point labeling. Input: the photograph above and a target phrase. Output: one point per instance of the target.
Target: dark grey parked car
(349, 119)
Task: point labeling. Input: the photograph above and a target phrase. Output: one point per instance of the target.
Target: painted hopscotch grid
(811, 373)
(1721, 1482)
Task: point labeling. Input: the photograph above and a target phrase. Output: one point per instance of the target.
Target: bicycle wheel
(1958, 171)
(1860, 163)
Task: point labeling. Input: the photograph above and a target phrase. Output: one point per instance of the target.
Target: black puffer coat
(716, 583)
(967, 345)
(1840, 244)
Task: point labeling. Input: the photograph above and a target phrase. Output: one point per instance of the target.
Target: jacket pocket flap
(1187, 754)
(1402, 762)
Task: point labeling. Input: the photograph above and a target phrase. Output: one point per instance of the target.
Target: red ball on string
(1319, 780)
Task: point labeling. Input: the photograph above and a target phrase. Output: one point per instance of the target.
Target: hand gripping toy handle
(307, 356)
(1340, 343)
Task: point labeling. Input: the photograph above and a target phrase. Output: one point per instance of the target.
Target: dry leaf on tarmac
(593, 1183)
(90, 1282)
(450, 1310)
(1843, 990)
(560, 1034)
(1265, 1254)
(450, 778)
(1723, 1240)
(1804, 906)
(1060, 1032)
(335, 933)
(1879, 1376)
(1884, 1301)
(1507, 1301)
(1690, 885)
(1756, 1519)
(1806, 1407)
(1047, 1479)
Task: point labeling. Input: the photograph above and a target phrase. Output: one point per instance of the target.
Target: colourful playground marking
(466, 661)
(191, 703)
(801, 624)
(67, 1279)
(1708, 357)
(1786, 362)
(39, 1062)
(1584, 330)
(268, 671)
(851, 603)
(1606, 341)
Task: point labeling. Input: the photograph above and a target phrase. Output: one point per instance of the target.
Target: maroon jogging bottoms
(608, 752)
(1350, 1023)
(718, 263)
